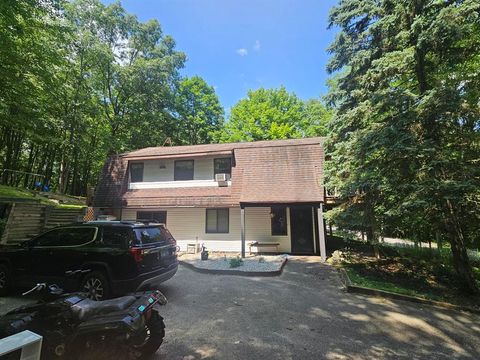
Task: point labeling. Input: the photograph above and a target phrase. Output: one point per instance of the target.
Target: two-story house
(223, 195)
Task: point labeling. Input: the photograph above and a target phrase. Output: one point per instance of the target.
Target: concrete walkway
(304, 314)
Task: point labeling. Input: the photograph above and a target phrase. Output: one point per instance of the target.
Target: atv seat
(87, 308)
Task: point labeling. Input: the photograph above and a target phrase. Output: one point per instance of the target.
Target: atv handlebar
(53, 289)
(37, 287)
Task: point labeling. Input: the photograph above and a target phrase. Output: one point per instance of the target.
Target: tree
(269, 114)
(405, 137)
(200, 112)
(81, 79)
(315, 118)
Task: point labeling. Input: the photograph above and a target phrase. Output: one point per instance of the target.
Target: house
(223, 195)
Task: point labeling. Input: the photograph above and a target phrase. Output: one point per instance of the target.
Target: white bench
(259, 245)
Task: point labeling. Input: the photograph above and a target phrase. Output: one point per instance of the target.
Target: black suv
(102, 258)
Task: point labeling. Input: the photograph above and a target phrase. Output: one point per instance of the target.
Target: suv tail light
(137, 254)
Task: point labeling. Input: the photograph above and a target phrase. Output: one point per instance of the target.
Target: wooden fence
(26, 220)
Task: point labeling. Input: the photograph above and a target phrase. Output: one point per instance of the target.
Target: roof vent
(222, 179)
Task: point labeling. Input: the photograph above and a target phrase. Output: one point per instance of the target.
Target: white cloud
(242, 52)
(257, 45)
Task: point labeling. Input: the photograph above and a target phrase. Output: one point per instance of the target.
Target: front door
(301, 224)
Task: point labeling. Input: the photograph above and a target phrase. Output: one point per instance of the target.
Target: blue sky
(237, 45)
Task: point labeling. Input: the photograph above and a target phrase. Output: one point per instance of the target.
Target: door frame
(310, 208)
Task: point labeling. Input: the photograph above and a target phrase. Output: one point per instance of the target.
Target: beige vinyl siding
(258, 228)
(187, 225)
(203, 169)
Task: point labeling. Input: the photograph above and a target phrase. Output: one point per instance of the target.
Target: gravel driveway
(302, 314)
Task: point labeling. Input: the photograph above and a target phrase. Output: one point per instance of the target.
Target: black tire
(155, 332)
(96, 285)
(5, 280)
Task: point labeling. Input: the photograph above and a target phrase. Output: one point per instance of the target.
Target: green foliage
(10, 192)
(315, 118)
(201, 114)
(236, 262)
(270, 114)
(405, 137)
(80, 80)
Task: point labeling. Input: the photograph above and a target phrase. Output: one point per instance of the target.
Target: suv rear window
(116, 237)
(149, 235)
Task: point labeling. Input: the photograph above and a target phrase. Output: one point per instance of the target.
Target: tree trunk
(373, 239)
(461, 261)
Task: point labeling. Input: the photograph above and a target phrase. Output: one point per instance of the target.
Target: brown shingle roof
(112, 183)
(214, 148)
(281, 171)
(281, 174)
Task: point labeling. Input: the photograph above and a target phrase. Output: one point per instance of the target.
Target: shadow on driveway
(304, 314)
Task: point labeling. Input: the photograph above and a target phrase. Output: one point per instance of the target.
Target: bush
(236, 262)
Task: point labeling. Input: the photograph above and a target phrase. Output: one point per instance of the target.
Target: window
(116, 237)
(150, 235)
(278, 215)
(70, 236)
(136, 172)
(183, 170)
(222, 166)
(217, 221)
(158, 216)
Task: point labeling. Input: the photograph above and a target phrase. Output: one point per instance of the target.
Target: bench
(259, 245)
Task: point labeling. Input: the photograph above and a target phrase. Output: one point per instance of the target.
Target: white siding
(187, 225)
(202, 169)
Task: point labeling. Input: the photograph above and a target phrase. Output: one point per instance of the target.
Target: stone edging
(390, 295)
(234, 272)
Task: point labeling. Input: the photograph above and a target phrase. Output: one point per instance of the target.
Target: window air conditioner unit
(222, 179)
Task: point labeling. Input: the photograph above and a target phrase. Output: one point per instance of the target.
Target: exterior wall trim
(173, 184)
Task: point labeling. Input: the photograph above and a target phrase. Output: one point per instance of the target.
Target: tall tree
(268, 114)
(81, 79)
(200, 112)
(315, 118)
(405, 143)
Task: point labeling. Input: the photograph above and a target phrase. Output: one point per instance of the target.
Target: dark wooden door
(301, 225)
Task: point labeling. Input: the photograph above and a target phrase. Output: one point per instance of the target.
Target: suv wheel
(96, 286)
(4, 279)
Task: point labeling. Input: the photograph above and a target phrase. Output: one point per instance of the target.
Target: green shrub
(236, 262)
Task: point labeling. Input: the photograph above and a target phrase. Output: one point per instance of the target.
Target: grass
(10, 193)
(423, 273)
(360, 280)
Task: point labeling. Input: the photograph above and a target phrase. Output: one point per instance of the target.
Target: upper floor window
(222, 166)
(136, 172)
(183, 170)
